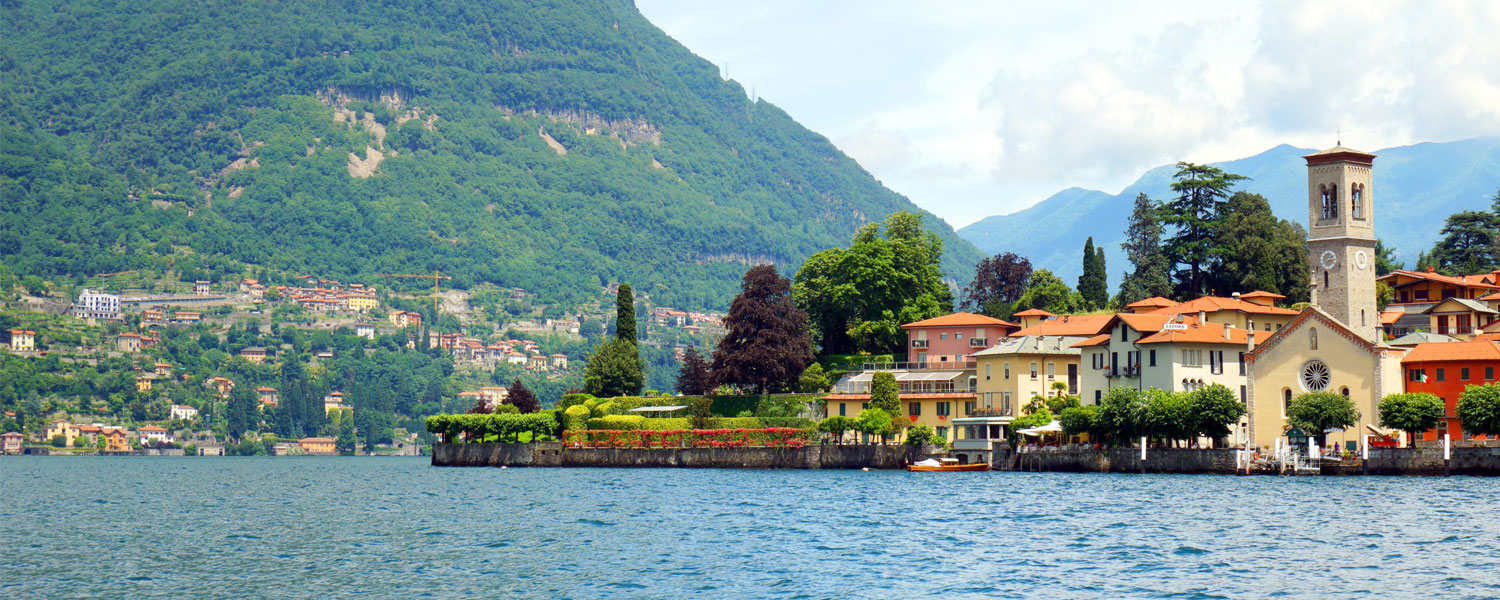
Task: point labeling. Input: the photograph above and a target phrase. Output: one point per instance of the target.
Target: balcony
(971, 445)
(919, 343)
(990, 412)
(979, 343)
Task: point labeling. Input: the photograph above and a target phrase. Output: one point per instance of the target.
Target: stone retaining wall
(552, 454)
(1125, 460)
(1429, 461)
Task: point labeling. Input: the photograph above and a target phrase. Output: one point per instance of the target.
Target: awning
(1053, 427)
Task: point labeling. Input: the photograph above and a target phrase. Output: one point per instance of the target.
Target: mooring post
(1143, 455)
(1447, 453)
(1364, 455)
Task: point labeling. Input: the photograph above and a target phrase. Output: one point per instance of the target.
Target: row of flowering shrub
(480, 427)
(774, 437)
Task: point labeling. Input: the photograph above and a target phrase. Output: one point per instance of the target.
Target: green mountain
(554, 146)
(1416, 188)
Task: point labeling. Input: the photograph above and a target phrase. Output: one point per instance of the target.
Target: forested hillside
(554, 146)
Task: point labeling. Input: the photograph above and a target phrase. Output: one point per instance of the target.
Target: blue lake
(393, 527)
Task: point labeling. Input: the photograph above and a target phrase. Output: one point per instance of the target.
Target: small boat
(947, 464)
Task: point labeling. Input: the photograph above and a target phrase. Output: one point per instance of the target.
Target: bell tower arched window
(1357, 197)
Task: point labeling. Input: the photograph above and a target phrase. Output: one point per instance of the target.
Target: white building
(1174, 353)
(183, 413)
(92, 304)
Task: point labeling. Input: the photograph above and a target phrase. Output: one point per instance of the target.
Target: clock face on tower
(1361, 260)
(1329, 259)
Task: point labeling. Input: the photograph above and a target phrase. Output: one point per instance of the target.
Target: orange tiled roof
(1068, 325)
(1033, 312)
(152, 428)
(1448, 351)
(265, 389)
(1391, 316)
(1156, 301)
(959, 320)
(1485, 280)
(1263, 294)
(1098, 340)
(1196, 333)
(1152, 321)
(1218, 303)
(904, 397)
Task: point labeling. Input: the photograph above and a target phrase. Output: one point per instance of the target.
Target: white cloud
(978, 108)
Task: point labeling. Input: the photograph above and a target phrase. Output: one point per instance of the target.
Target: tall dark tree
(522, 398)
(614, 369)
(1255, 250)
(767, 345)
(1093, 284)
(1202, 191)
(1385, 259)
(1468, 244)
(625, 314)
(1150, 274)
(694, 379)
(241, 411)
(998, 282)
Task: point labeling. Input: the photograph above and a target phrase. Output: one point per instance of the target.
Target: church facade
(1334, 345)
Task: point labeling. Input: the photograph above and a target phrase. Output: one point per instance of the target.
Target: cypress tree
(1093, 284)
(625, 314)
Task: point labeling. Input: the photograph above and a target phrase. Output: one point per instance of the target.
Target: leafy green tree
(767, 345)
(998, 282)
(813, 380)
(1047, 292)
(1413, 413)
(242, 415)
(873, 421)
(1169, 416)
(1082, 420)
(1479, 409)
(1093, 284)
(1061, 401)
(836, 426)
(1037, 418)
(1214, 409)
(1122, 414)
(1254, 250)
(1316, 412)
(614, 369)
(884, 392)
(1193, 216)
(625, 314)
(1468, 245)
(1385, 259)
(346, 441)
(919, 434)
(857, 299)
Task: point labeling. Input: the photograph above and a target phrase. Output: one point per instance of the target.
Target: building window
(865, 406)
(1005, 402)
(841, 410)
(914, 409)
(1123, 334)
(1330, 201)
(987, 371)
(1216, 362)
(1151, 355)
(1325, 280)
(1357, 195)
(1315, 376)
(1489, 373)
(1007, 370)
(941, 432)
(1463, 374)
(1286, 402)
(1440, 374)
(1051, 370)
(1243, 398)
(969, 409)
(1098, 395)
(1414, 375)
(1312, 332)
(942, 336)
(1242, 363)
(958, 335)
(944, 408)
(1033, 370)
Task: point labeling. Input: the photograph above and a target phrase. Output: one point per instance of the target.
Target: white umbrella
(1053, 427)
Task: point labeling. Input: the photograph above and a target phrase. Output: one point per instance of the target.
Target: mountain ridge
(1416, 185)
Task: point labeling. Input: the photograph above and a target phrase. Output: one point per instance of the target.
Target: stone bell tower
(1341, 237)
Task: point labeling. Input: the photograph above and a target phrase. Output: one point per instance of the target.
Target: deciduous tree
(1413, 413)
(998, 282)
(522, 398)
(1479, 409)
(614, 369)
(766, 346)
(885, 394)
(1201, 193)
(1315, 412)
(694, 378)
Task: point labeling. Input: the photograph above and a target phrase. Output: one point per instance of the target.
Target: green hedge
(479, 427)
(570, 400)
(576, 417)
(620, 422)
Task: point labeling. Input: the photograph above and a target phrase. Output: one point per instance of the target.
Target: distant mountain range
(1416, 188)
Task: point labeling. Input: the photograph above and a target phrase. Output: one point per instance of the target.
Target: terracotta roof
(1486, 280)
(1218, 303)
(1391, 316)
(265, 389)
(1151, 322)
(315, 440)
(1098, 340)
(152, 428)
(904, 397)
(1473, 305)
(1263, 294)
(1068, 325)
(959, 320)
(1448, 351)
(1196, 333)
(1493, 337)
(1156, 301)
(1033, 312)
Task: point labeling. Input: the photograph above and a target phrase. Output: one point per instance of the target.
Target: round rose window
(1315, 376)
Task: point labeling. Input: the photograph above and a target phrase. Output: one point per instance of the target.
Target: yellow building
(318, 446)
(1255, 311)
(68, 431)
(116, 440)
(931, 397)
(361, 302)
(143, 382)
(1011, 372)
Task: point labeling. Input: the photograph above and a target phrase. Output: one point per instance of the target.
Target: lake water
(393, 527)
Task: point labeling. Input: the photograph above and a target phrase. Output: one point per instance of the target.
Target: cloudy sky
(980, 108)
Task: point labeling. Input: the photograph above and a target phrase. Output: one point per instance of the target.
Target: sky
(973, 109)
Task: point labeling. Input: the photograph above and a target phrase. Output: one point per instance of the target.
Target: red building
(1445, 369)
(950, 339)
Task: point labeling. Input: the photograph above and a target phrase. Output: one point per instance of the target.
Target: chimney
(1250, 340)
(1226, 331)
(1236, 295)
(1202, 316)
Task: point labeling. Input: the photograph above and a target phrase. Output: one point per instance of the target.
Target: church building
(1335, 344)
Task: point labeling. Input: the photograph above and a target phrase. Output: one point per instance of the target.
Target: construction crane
(436, 276)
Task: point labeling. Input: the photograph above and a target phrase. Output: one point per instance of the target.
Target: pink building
(950, 339)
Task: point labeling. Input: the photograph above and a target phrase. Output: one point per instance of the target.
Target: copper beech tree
(767, 345)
